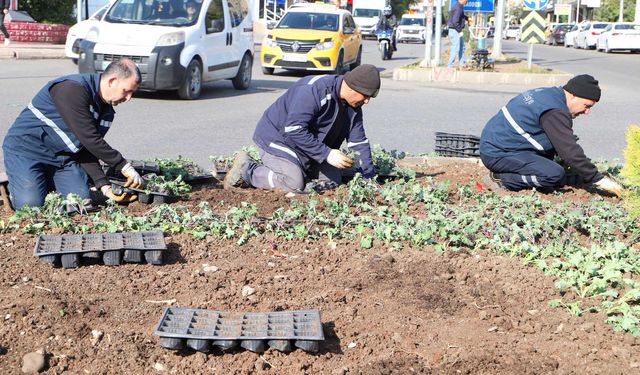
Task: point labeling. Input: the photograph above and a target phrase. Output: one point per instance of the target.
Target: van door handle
(227, 42)
(230, 39)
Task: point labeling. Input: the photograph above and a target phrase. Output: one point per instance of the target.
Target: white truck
(366, 13)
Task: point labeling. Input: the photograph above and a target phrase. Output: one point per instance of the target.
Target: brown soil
(384, 311)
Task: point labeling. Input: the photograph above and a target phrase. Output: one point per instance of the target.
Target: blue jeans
(525, 170)
(457, 47)
(30, 180)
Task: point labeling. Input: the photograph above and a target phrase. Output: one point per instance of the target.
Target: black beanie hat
(365, 79)
(584, 86)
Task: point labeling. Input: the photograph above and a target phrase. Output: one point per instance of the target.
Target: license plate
(294, 57)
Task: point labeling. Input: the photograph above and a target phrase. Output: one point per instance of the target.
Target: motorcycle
(385, 43)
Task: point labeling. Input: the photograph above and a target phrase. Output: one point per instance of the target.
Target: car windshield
(412, 21)
(627, 27)
(564, 27)
(311, 21)
(600, 25)
(360, 12)
(155, 12)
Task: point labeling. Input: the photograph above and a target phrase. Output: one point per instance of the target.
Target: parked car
(412, 28)
(620, 36)
(556, 37)
(77, 32)
(570, 36)
(588, 36)
(512, 32)
(312, 38)
(175, 47)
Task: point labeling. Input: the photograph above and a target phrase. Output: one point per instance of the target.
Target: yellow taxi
(312, 37)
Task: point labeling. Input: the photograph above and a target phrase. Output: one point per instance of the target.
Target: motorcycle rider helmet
(387, 11)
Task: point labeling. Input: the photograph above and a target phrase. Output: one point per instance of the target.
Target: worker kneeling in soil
(56, 142)
(299, 136)
(519, 143)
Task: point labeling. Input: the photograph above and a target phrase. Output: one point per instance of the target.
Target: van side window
(238, 10)
(215, 17)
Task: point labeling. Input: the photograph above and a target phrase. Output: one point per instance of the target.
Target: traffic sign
(533, 27)
(536, 4)
(481, 6)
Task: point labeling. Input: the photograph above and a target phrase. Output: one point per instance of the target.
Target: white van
(367, 13)
(177, 44)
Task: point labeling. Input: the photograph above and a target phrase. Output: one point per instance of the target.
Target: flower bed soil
(384, 311)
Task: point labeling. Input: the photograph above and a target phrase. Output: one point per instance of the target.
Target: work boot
(493, 183)
(235, 175)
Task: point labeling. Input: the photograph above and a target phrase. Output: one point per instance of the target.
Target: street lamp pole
(621, 16)
(577, 11)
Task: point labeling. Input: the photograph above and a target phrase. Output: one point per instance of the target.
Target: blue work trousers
(457, 48)
(30, 180)
(526, 170)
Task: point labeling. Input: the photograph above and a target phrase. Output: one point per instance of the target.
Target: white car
(620, 36)
(588, 36)
(412, 28)
(570, 36)
(512, 32)
(78, 31)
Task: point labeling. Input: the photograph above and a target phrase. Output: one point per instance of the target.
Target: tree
(610, 10)
(50, 11)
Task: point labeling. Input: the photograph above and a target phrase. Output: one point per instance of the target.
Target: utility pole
(436, 57)
(637, 17)
(577, 11)
(621, 16)
(499, 27)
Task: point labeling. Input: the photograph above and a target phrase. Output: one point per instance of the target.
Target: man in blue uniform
(518, 144)
(56, 142)
(299, 136)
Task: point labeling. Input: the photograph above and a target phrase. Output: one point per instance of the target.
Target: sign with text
(480, 6)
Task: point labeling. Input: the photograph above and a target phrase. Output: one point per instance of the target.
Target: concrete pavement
(24, 51)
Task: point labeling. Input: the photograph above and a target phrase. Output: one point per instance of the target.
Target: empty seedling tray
(200, 329)
(141, 166)
(457, 145)
(113, 248)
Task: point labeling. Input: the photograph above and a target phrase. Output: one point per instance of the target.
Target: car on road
(315, 38)
(77, 32)
(412, 28)
(588, 36)
(512, 32)
(570, 36)
(620, 36)
(557, 34)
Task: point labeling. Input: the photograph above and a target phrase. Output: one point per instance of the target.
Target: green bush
(50, 11)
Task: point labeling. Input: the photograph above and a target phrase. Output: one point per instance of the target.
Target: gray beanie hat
(365, 79)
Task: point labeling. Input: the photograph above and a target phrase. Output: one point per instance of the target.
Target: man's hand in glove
(133, 178)
(609, 185)
(339, 160)
(122, 198)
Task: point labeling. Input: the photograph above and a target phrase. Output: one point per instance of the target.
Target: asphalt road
(404, 116)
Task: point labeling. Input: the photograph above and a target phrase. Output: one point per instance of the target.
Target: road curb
(453, 75)
(30, 53)
(435, 161)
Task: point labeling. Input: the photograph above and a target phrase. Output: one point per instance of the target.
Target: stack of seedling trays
(201, 329)
(113, 248)
(141, 166)
(457, 145)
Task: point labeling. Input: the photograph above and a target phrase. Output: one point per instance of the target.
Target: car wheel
(192, 84)
(358, 61)
(268, 71)
(242, 80)
(340, 63)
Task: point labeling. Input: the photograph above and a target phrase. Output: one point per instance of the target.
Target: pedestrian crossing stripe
(533, 28)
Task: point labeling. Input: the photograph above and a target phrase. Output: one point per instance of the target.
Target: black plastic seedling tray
(200, 329)
(457, 145)
(146, 197)
(113, 248)
(141, 166)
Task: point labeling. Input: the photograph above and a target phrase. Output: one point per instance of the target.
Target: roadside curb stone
(452, 75)
(32, 51)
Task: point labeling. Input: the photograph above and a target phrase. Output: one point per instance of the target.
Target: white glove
(133, 178)
(608, 184)
(122, 198)
(339, 159)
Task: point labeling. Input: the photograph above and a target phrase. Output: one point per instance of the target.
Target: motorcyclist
(388, 21)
